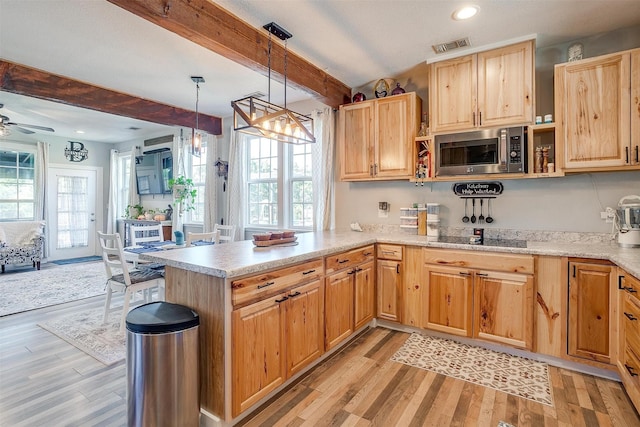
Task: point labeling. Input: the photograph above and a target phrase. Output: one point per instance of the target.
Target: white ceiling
(356, 41)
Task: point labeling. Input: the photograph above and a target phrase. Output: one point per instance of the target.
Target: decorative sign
(76, 152)
(477, 189)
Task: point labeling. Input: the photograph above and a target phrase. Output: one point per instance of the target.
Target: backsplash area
(504, 234)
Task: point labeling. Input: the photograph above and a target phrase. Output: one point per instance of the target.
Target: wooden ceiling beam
(23, 80)
(208, 25)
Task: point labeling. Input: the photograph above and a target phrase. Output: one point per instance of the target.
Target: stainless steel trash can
(162, 366)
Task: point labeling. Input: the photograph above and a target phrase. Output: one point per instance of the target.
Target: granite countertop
(235, 259)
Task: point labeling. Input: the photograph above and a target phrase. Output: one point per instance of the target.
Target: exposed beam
(208, 25)
(23, 80)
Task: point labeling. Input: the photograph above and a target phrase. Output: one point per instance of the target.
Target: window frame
(31, 151)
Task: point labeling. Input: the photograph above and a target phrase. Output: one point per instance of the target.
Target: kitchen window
(279, 186)
(17, 182)
(198, 175)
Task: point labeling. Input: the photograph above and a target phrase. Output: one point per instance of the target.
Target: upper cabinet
(488, 89)
(375, 138)
(597, 103)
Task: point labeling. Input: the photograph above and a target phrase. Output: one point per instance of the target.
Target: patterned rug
(77, 260)
(85, 331)
(500, 371)
(31, 289)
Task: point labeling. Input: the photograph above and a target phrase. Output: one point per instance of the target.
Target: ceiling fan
(6, 123)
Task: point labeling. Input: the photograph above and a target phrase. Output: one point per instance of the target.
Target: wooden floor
(46, 382)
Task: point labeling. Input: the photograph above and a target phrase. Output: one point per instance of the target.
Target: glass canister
(537, 167)
(424, 130)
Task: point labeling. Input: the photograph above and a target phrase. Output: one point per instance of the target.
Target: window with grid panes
(198, 175)
(17, 182)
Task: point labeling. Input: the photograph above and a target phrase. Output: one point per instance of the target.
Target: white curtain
(113, 190)
(40, 196)
(323, 169)
(179, 169)
(236, 207)
(210, 185)
(134, 197)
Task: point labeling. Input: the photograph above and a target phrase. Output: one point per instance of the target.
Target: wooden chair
(121, 279)
(145, 233)
(213, 236)
(227, 232)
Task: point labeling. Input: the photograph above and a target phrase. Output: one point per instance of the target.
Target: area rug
(85, 331)
(77, 260)
(500, 371)
(33, 289)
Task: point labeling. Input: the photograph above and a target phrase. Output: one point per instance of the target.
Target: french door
(72, 218)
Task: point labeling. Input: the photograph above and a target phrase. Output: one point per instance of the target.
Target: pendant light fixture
(196, 137)
(254, 116)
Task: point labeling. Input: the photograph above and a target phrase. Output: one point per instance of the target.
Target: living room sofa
(21, 242)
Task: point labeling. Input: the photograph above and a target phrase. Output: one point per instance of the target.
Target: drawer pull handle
(387, 252)
(367, 253)
(351, 272)
(283, 299)
(295, 294)
(462, 273)
(631, 290)
(357, 269)
(304, 273)
(482, 274)
(266, 284)
(630, 369)
(630, 316)
(343, 261)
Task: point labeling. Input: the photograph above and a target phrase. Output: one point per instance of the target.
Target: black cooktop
(504, 243)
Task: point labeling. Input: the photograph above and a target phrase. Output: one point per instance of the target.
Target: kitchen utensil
(473, 211)
(489, 218)
(465, 218)
(628, 221)
(481, 217)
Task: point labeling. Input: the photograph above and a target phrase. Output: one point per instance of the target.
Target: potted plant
(183, 193)
(134, 211)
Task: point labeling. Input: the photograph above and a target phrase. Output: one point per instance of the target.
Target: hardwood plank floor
(46, 382)
(360, 386)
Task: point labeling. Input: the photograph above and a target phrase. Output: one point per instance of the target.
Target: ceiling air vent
(456, 44)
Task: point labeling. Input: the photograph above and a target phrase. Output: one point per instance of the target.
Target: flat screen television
(153, 172)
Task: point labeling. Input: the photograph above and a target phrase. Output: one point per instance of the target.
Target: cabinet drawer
(481, 260)
(631, 365)
(631, 319)
(392, 252)
(349, 259)
(261, 285)
(631, 285)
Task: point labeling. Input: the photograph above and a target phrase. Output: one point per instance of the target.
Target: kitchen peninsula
(269, 314)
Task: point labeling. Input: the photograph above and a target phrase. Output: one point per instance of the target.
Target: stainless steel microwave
(487, 151)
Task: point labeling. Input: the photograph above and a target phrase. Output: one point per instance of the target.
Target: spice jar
(545, 159)
(537, 168)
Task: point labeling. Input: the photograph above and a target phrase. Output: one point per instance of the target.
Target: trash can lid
(161, 317)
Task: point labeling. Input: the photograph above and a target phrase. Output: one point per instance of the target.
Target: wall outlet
(609, 215)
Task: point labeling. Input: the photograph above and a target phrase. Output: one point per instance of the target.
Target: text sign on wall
(477, 189)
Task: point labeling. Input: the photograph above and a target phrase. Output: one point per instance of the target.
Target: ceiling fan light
(465, 12)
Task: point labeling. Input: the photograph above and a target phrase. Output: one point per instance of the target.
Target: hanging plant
(183, 193)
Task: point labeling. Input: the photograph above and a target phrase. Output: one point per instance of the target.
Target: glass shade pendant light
(254, 116)
(196, 136)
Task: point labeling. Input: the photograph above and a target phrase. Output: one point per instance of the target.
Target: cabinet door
(356, 141)
(590, 317)
(452, 97)
(389, 289)
(596, 109)
(338, 307)
(257, 361)
(414, 303)
(635, 107)
(449, 295)
(394, 117)
(364, 303)
(504, 308)
(304, 326)
(505, 85)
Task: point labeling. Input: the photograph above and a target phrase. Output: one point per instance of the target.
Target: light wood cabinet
(375, 138)
(349, 293)
(592, 325)
(488, 89)
(389, 283)
(273, 339)
(414, 292)
(629, 342)
(449, 299)
(482, 295)
(503, 307)
(596, 116)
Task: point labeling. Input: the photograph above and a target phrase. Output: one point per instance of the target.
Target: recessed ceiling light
(79, 131)
(465, 12)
